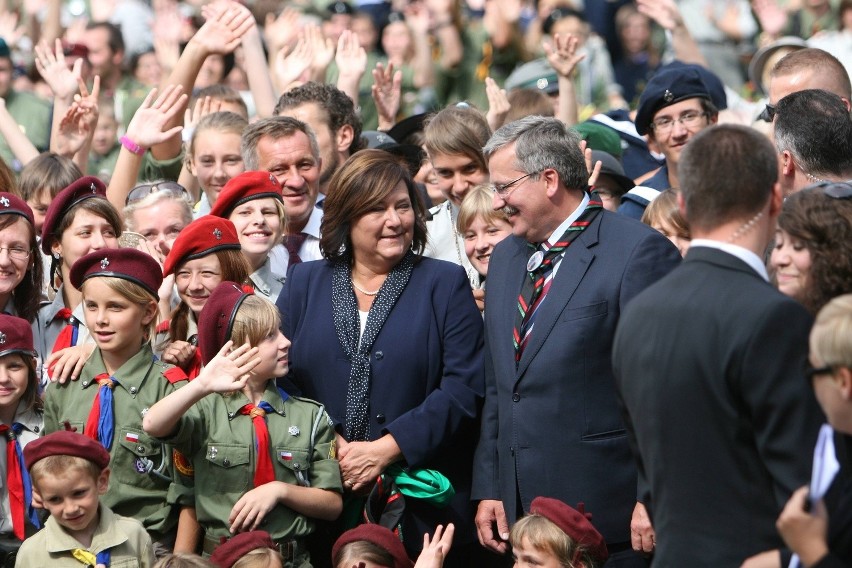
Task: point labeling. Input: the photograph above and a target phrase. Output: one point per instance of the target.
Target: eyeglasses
(503, 190)
(768, 113)
(834, 189)
(140, 192)
(812, 372)
(18, 253)
(689, 119)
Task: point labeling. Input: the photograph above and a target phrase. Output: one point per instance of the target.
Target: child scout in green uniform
(119, 382)
(69, 473)
(260, 455)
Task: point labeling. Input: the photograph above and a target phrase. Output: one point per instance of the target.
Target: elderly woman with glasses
(389, 341)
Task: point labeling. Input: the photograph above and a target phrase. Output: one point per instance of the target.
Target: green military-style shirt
(220, 443)
(142, 468)
(33, 116)
(151, 169)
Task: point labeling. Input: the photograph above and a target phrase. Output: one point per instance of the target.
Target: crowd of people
(426, 283)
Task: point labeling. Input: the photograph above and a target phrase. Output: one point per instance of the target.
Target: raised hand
(291, 64)
(146, 128)
(9, 28)
(351, 58)
(562, 54)
(664, 12)
(203, 107)
(771, 16)
(229, 370)
(387, 93)
(54, 70)
(322, 49)
(224, 28)
(498, 104)
(79, 122)
(283, 30)
(435, 550)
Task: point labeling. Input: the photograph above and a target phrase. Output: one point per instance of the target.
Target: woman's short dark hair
(824, 225)
(363, 181)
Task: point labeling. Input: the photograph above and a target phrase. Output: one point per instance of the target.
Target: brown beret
(14, 205)
(16, 336)
(126, 263)
(216, 320)
(381, 537)
(65, 443)
(576, 523)
(228, 553)
(245, 187)
(82, 189)
(198, 239)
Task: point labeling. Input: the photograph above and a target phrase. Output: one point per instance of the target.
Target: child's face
(274, 354)
(196, 279)
(14, 377)
(528, 557)
(106, 134)
(791, 260)
(259, 228)
(833, 390)
(679, 240)
(39, 204)
(87, 233)
(481, 237)
(72, 498)
(216, 158)
(457, 174)
(116, 323)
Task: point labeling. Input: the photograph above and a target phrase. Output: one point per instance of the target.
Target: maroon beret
(16, 336)
(245, 187)
(126, 263)
(576, 523)
(381, 537)
(65, 443)
(228, 553)
(82, 189)
(14, 205)
(201, 237)
(216, 320)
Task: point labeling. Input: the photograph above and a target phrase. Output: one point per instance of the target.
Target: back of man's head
(726, 174)
(337, 106)
(815, 127)
(824, 71)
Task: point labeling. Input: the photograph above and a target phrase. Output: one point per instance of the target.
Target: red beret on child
(16, 336)
(381, 537)
(126, 263)
(82, 189)
(14, 205)
(245, 187)
(576, 523)
(65, 443)
(201, 237)
(216, 320)
(228, 553)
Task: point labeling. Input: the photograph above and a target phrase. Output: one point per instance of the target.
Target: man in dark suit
(710, 362)
(551, 424)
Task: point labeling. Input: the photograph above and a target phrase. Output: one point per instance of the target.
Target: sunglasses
(140, 192)
(768, 113)
(834, 189)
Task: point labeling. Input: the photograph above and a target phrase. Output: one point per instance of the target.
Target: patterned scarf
(357, 348)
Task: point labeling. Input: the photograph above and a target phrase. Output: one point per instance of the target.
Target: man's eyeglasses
(834, 189)
(503, 190)
(140, 192)
(689, 119)
(768, 113)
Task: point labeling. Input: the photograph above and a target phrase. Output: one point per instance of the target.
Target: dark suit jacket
(427, 378)
(552, 427)
(710, 366)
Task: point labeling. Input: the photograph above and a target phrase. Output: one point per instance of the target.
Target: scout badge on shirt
(286, 456)
(293, 430)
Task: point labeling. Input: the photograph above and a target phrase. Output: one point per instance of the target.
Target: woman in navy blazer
(389, 341)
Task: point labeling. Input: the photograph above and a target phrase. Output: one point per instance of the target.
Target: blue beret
(677, 82)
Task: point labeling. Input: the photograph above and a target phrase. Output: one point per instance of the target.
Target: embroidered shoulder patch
(182, 464)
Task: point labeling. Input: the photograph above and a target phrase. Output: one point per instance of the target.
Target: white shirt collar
(312, 228)
(747, 256)
(555, 236)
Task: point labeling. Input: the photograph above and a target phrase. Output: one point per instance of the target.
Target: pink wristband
(131, 145)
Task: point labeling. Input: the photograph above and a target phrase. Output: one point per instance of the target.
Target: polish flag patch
(286, 456)
(131, 437)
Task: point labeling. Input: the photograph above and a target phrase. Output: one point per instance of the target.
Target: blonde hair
(664, 210)
(258, 558)
(477, 203)
(542, 534)
(59, 464)
(134, 293)
(183, 560)
(831, 335)
(256, 319)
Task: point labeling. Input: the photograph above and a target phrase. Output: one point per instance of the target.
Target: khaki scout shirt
(126, 539)
(220, 443)
(141, 465)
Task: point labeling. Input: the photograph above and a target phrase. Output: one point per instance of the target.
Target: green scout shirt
(220, 443)
(151, 169)
(33, 116)
(141, 465)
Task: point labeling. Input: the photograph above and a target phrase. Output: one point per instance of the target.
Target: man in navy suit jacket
(551, 424)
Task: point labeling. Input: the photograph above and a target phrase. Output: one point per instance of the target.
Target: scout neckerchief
(263, 472)
(68, 336)
(89, 559)
(18, 481)
(540, 275)
(100, 425)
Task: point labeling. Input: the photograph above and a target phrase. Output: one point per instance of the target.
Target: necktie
(18, 480)
(68, 336)
(540, 275)
(293, 243)
(89, 559)
(263, 471)
(100, 425)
